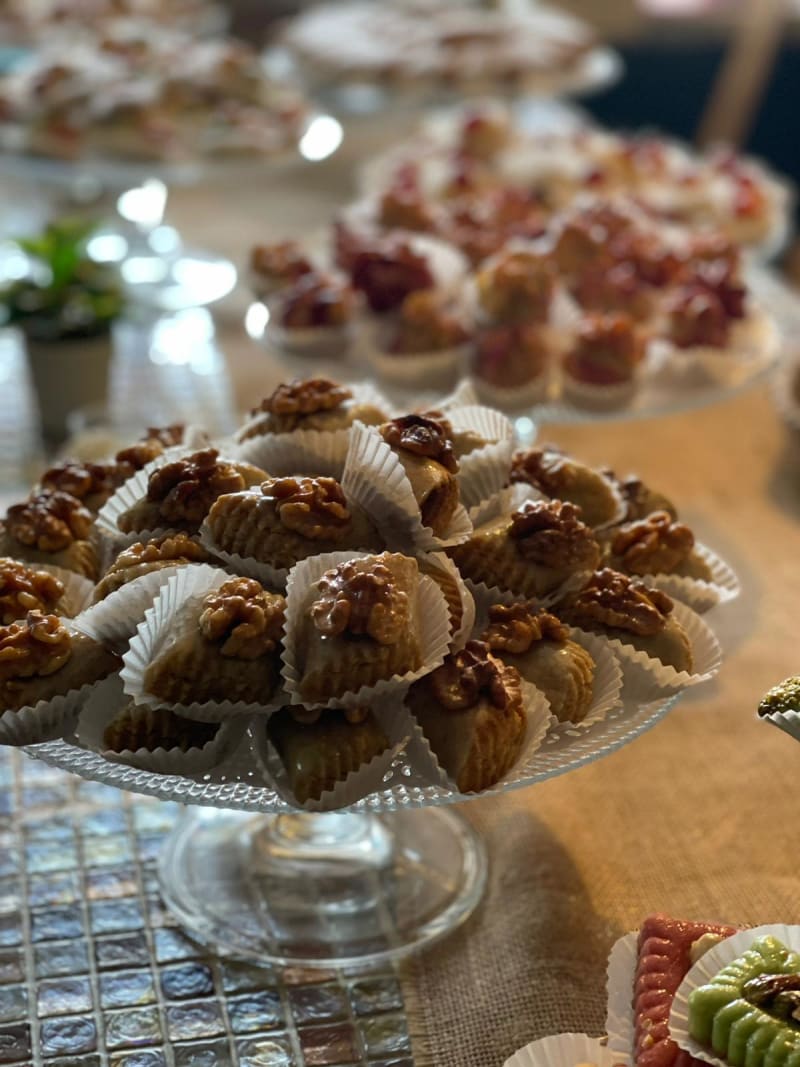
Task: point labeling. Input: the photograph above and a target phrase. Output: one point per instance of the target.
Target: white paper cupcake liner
(564, 1050)
(606, 688)
(754, 343)
(504, 502)
(788, 721)
(437, 563)
(133, 492)
(374, 478)
(598, 397)
(464, 395)
(620, 976)
(108, 699)
(45, 721)
(273, 578)
(396, 724)
(434, 636)
(647, 676)
(699, 593)
(428, 370)
(77, 589)
(311, 340)
(189, 583)
(709, 965)
(528, 395)
(539, 719)
(483, 472)
(115, 619)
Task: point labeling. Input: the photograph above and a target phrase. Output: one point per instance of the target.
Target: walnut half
(304, 397)
(550, 533)
(466, 676)
(313, 507)
(35, 648)
(422, 436)
(652, 545)
(49, 521)
(360, 597)
(244, 618)
(613, 599)
(186, 488)
(24, 588)
(515, 628)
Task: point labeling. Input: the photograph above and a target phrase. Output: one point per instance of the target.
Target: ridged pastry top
(471, 675)
(421, 436)
(653, 544)
(244, 618)
(550, 533)
(24, 588)
(49, 521)
(186, 488)
(515, 628)
(33, 648)
(614, 599)
(362, 598)
(174, 546)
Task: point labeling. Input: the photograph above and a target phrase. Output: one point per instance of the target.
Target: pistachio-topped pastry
(180, 494)
(322, 746)
(556, 475)
(781, 698)
(224, 646)
(308, 404)
(25, 588)
(285, 520)
(91, 483)
(41, 658)
(51, 527)
(539, 646)
(615, 605)
(657, 545)
(472, 714)
(425, 451)
(145, 557)
(532, 551)
(640, 499)
(361, 627)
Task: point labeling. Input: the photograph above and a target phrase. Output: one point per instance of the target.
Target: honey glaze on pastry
(288, 519)
(657, 545)
(538, 645)
(617, 606)
(138, 727)
(145, 557)
(361, 627)
(556, 475)
(309, 404)
(25, 588)
(180, 494)
(40, 659)
(532, 552)
(51, 527)
(425, 452)
(91, 483)
(320, 747)
(225, 646)
(470, 710)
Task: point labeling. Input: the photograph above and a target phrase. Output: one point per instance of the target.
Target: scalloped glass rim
(564, 750)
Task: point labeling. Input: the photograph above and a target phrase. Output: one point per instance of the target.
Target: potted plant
(65, 305)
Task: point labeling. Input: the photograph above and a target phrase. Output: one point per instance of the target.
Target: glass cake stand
(250, 877)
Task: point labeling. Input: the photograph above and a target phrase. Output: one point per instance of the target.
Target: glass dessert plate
(250, 877)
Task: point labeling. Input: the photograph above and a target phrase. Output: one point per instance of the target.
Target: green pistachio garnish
(782, 697)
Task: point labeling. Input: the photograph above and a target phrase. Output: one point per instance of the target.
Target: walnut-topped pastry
(657, 545)
(640, 500)
(607, 351)
(361, 626)
(426, 323)
(559, 476)
(51, 527)
(276, 265)
(150, 446)
(145, 557)
(41, 658)
(518, 288)
(531, 552)
(308, 404)
(223, 646)
(91, 483)
(539, 646)
(424, 449)
(617, 606)
(24, 588)
(180, 494)
(285, 520)
(472, 714)
(320, 747)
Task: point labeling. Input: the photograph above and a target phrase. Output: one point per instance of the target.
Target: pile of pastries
(28, 21)
(338, 586)
(131, 89)
(591, 305)
(423, 46)
(692, 992)
(484, 150)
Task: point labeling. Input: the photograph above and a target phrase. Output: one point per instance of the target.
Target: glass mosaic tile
(94, 971)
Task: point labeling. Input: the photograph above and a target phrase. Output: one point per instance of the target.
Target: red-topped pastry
(507, 357)
(666, 951)
(385, 269)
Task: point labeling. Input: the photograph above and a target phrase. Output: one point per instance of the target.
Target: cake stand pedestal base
(333, 890)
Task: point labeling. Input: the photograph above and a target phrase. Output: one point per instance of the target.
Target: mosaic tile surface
(94, 973)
